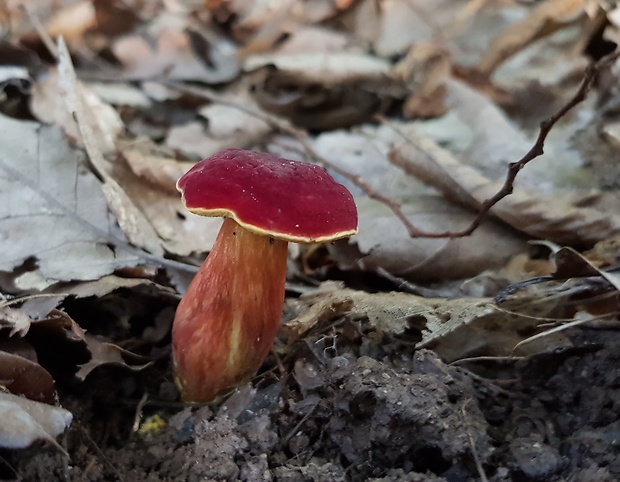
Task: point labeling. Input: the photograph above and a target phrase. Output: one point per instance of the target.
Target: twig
(100, 452)
(137, 419)
(283, 126)
(537, 150)
(472, 443)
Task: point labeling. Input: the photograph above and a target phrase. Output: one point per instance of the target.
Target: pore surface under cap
(294, 201)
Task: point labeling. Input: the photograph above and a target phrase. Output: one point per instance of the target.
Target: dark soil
(390, 416)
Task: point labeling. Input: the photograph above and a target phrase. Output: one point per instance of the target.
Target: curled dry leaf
(424, 70)
(179, 232)
(21, 376)
(162, 172)
(108, 284)
(103, 353)
(23, 421)
(15, 319)
(60, 332)
(325, 69)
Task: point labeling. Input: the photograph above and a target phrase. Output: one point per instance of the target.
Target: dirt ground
(352, 408)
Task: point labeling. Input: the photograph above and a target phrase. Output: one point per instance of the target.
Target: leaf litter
(429, 112)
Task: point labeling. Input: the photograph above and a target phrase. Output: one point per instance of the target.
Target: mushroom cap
(289, 200)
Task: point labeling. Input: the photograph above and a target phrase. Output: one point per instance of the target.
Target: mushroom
(226, 322)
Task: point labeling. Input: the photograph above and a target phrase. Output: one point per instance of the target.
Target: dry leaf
(131, 219)
(108, 284)
(73, 21)
(14, 318)
(545, 19)
(24, 421)
(424, 71)
(170, 50)
(49, 107)
(454, 329)
(364, 153)
(21, 376)
(103, 353)
(225, 126)
(325, 69)
(180, 232)
(162, 172)
(554, 217)
(548, 197)
(52, 209)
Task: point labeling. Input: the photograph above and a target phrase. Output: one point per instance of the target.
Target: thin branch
(472, 443)
(537, 150)
(284, 126)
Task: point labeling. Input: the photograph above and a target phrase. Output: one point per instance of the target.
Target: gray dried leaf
(24, 421)
(52, 209)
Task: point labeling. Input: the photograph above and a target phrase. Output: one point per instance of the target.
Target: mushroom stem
(226, 322)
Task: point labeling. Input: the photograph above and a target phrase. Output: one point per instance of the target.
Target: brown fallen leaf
(21, 376)
(364, 153)
(162, 172)
(323, 90)
(178, 232)
(424, 70)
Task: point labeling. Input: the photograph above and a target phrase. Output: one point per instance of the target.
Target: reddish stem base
(226, 322)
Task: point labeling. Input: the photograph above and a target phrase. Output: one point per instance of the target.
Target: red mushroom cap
(266, 194)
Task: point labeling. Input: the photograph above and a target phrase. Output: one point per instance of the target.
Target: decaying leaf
(103, 353)
(455, 329)
(15, 318)
(424, 70)
(24, 421)
(177, 230)
(49, 107)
